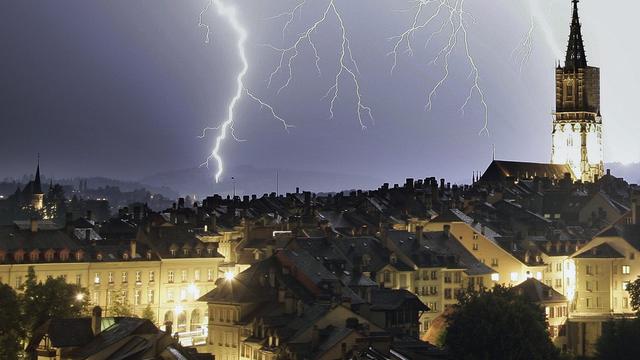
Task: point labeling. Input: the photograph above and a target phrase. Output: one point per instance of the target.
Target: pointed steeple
(37, 187)
(576, 57)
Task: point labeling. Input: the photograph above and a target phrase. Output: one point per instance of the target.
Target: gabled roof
(538, 292)
(389, 299)
(499, 170)
(602, 251)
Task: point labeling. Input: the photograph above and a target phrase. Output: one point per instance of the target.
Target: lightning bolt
(451, 17)
(227, 126)
(521, 54)
(347, 67)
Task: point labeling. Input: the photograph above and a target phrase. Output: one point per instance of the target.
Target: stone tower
(577, 123)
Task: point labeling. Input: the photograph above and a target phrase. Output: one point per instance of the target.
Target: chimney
(168, 327)
(419, 231)
(608, 172)
(634, 211)
(133, 248)
(96, 320)
(442, 184)
(34, 225)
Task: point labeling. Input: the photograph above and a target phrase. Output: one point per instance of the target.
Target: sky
(124, 88)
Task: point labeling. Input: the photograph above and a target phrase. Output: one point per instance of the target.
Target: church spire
(37, 187)
(576, 57)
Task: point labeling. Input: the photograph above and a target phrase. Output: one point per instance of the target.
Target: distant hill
(251, 180)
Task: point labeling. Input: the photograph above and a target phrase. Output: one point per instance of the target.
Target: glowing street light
(79, 296)
(229, 275)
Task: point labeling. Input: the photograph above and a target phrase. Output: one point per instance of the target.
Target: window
(387, 276)
(170, 295)
(447, 278)
(626, 269)
(196, 275)
(434, 275)
(457, 277)
(183, 294)
(625, 302)
(559, 267)
(18, 281)
(209, 275)
(588, 302)
(124, 277)
(152, 276)
(625, 285)
(136, 297)
(494, 262)
(433, 290)
(110, 276)
(108, 298)
(495, 277)
(589, 269)
(125, 297)
(588, 286)
(538, 275)
(183, 276)
(514, 276)
(79, 279)
(96, 278)
(632, 256)
(558, 283)
(138, 276)
(475, 246)
(151, 296)
(447, 294)
(171, 276)
(475, 237)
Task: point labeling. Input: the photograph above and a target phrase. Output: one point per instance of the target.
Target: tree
(120, 307)
(53, 298)
(634, 293)
(498, 324)
(619, 338)
(148, 314)
(11, 329)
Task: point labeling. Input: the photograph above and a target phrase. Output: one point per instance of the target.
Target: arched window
(196, 324)
(34, 255)
(168, 316)
(182, 322)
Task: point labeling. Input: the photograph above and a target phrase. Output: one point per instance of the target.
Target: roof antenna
(493, 154)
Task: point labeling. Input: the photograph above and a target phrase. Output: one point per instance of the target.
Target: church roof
(498, 170)
(576, 57)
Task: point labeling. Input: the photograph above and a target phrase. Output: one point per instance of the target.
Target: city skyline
(407, 144)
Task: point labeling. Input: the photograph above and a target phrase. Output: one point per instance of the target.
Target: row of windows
(137, 297)
(184, 293)
(184, 275)
(595, 269)
(124, 277)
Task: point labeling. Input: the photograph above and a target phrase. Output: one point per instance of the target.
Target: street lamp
(229, 275)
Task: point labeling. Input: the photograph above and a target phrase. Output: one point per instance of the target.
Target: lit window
(625, 285)
(514, 276)
(539, 275)
(110, 277)
(196, 275)
(78, 279)
(475, 246)
(209, 274)
(183, 276)
(170, 295)
(494, 262)
(124, 276)
(136, 297)
(96, 278)
(138, 276)
(152, 276)
(183, 294)
(171, 276)
(150, 296)
(626, 269)
(495, 277)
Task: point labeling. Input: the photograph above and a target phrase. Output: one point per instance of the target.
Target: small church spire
(576, 57)
(37, 187)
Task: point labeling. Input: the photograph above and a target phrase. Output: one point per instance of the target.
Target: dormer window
(34, 255)
(18, 256)
(173, 252)
(99, 257)
(393, 259)
(48, 256)
(64, 254)
(125, 256)
(199, 251)
(79, 255)
(185, 252)
(149, 255)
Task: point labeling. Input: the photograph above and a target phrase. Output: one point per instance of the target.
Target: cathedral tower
(577, 123)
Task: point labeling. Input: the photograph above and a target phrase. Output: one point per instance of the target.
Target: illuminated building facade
(577, 124)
